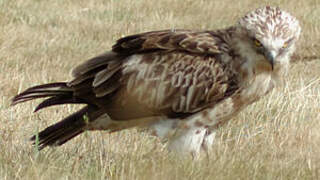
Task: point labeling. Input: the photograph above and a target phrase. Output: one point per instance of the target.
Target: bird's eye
(285, 45)
(257, 43)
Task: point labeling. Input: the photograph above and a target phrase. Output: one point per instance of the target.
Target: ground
(40, 41)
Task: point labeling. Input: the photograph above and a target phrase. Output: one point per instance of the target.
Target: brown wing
(164, 72)
(174, 83)
(204, 42)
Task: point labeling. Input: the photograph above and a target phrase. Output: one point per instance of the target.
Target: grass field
(40, 41)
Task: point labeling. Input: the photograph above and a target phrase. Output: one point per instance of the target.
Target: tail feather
(93, 82)
(42, 91)
(68, 128)
(63, 131)
(57, 101)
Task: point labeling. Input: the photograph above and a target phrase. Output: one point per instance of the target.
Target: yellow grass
(40, 41)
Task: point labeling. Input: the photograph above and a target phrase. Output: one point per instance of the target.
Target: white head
(272, 33)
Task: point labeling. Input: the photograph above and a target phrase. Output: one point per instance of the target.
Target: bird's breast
(257, 86)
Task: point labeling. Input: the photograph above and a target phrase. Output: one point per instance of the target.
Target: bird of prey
(183, 84)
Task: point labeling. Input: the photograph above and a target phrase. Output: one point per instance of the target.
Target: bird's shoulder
(203, 42)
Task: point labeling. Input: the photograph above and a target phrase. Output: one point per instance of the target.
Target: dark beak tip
(270, 57)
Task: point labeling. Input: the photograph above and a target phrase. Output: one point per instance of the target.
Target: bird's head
(272, 34)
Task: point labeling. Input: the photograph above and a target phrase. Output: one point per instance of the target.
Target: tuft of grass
(40, 41)
(36, 144)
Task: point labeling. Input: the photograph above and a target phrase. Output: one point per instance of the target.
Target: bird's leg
(187, 140)
(208, 141)
(163, 128)
(182, 140)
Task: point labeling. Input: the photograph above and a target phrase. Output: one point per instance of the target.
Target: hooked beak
(271, 56)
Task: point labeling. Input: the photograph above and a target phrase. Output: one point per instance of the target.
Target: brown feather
(93, 63)
(182, 40)
(186, 84)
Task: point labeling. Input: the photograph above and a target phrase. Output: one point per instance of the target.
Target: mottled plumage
(183, 84)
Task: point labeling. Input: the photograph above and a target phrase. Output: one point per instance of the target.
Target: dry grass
(40, 41)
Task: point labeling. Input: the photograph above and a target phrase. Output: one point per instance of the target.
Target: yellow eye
(257, 43)
(285, 45)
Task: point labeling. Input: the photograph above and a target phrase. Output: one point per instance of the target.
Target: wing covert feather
(204, 42)
(177, 82)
